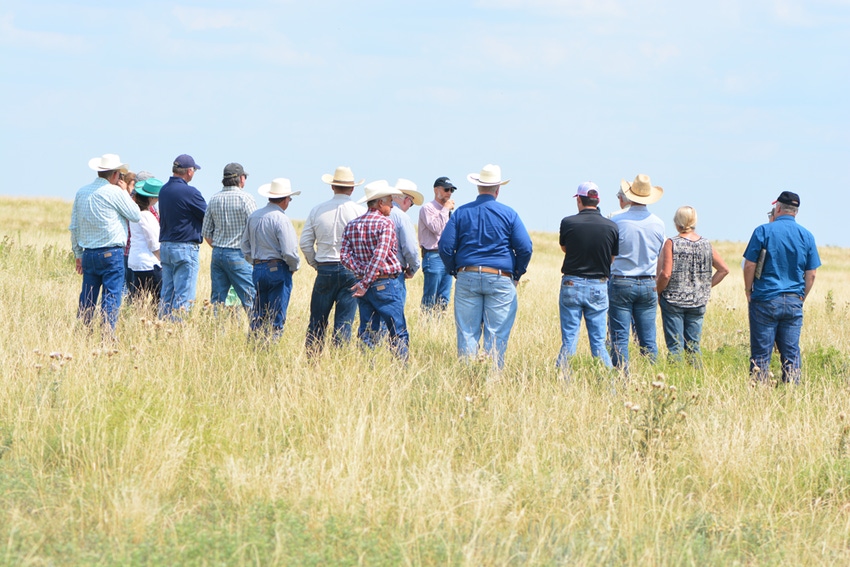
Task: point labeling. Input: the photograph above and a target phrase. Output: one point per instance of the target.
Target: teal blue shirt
(791, 252)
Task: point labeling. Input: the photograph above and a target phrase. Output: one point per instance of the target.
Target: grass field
(183, 444)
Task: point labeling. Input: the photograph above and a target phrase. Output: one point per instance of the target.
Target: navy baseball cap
(788, 198)
(186, 161)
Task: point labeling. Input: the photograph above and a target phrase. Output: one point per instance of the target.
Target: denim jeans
(776, 321)
(631, 300)
(383, 307)
(103, 268)
(332, 286)
(484, 303)
(682, 328)
(437, 284)
(229, 268)
(588, 298)
(179, 276)
(273, 282)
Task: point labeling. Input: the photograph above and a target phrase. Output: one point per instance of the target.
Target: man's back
(181, 210)
(641, 239)
(590, 241)
(791, 251)
(322, 234)
(226, 217)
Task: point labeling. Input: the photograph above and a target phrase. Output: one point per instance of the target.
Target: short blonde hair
(685, 219)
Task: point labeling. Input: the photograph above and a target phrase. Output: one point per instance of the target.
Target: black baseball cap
(788, 198)
(233, 170)
(444, 182)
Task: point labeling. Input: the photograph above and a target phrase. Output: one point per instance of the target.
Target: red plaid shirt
(369, 247)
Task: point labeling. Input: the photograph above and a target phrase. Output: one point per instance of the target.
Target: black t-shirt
(591, 240)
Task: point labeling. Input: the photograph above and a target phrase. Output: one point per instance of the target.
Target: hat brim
(329, 179)
(392, 191)
(655, 194)
(265, 191)
(94, 166)
(418, 198)
(476, 180)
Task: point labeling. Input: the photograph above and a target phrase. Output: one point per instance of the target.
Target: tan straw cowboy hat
(490, 175)
(342, 176)
(408, 187)
(277, 189)
(108, 162)
(641, 190)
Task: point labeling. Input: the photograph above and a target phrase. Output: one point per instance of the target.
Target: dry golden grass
(183, 444)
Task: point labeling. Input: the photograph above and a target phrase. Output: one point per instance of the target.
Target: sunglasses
(450, 189)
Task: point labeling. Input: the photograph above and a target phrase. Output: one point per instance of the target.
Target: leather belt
(385, 277)
(267, 261)
(633, 277)
(485, 270)
(328, 263)
(425, 250)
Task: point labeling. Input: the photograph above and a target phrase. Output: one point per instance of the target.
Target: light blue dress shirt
(100, 215)
(641, 239)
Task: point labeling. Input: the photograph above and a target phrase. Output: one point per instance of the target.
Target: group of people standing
(362, 254)
(618, 271)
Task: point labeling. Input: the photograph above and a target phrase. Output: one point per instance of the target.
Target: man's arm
(245, 245)
(749, 277)
(288, 244)
(810, 281)
(308, 240)
(447, 246)
(407, 246)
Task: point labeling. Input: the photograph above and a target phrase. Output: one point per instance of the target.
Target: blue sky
(724, 104)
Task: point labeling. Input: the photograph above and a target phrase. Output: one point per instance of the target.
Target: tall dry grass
(185, 444)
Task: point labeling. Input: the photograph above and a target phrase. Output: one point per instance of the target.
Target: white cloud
(203, 19)
(565, 7)
(47, 41)
(792, 12)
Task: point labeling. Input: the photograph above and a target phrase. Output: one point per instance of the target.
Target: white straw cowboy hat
(342, 176)
(408, 187)
(378, 189)
(277, 189)
(108, 162)
(641, 190)
(490, 175)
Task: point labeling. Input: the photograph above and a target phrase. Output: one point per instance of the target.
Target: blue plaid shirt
(100, 215)
(227, 216)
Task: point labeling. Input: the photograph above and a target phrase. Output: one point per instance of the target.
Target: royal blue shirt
(486, 233)
(181, 212)
(791, 252)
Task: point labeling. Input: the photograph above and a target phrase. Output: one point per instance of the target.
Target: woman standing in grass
(684, 281)
(143, 259)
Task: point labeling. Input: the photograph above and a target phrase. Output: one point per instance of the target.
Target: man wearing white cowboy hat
(181, 217)
(321, 238)
(99, 220)
(224, 224)
(369, 250)
(408, 251)
(270, 244)
(433, 216)
(487, 247)
(632, 298)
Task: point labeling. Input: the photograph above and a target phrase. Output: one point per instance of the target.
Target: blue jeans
(179, 276)
(273, 282)
(588, 298)
(437, 285)
(631, 299)
(383, 307)
(229, 268)
(103, 268)
(488, 303)
(682, 328)
(332, 286)
(776, 321)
